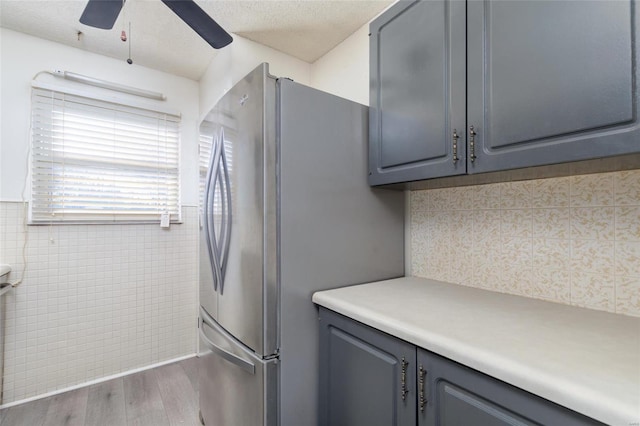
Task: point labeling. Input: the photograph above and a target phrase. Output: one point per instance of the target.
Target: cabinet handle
(422, 374)
(472, 144)
(403, 379)
(455, 145)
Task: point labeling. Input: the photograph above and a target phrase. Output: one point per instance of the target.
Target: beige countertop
(586, 360)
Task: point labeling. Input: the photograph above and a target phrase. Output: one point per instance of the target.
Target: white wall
(95, 300)
(344, 71)
(23, 56)
(237, 60)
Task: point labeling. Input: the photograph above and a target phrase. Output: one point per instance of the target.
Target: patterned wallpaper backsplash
(96, 300)
(572, 240)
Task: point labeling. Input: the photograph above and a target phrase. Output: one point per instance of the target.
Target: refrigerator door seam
(227, 215)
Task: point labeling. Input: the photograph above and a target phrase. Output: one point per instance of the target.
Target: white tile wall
(573, 240)
(96, 300)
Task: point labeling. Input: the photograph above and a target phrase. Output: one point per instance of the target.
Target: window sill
(98, 222)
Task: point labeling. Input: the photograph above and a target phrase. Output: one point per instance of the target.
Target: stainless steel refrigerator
(285, 211)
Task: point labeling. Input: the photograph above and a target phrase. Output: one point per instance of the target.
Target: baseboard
(95, 381)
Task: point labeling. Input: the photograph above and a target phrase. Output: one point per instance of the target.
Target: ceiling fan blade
(201, 23)
(101, 13)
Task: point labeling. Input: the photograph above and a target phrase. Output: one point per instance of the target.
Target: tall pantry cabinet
(475, 86)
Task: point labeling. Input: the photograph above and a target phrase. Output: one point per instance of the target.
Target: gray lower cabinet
(512, 83)
(451, 394)
(370, 378)
(367, 378)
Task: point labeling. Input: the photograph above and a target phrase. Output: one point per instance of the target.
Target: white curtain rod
(67, 75)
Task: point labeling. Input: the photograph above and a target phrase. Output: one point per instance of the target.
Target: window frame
(116, 103)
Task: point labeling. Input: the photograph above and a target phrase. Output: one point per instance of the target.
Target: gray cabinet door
(367, 378)
(456, 395)
(551, 81)
(417, 99)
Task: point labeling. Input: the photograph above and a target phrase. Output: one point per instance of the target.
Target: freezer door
(236, 387)
(238, 230)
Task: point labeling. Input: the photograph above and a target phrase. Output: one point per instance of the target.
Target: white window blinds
(94, 160)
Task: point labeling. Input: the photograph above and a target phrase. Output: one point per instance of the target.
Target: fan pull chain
(123, 34)
(129, 60)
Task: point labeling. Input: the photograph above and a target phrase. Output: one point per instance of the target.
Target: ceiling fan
(103, 14)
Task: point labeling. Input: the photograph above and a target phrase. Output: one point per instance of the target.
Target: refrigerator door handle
(209, 210)
(245, 365)
(232, 358)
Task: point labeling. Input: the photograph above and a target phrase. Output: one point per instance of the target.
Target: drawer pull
(422, 374)
(455, 145)
(403, 379)
(472, 144)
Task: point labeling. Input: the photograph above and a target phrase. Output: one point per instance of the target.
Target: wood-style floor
(166, 395)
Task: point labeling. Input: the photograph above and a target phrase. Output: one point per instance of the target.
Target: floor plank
(32, 413)
(163, 396)
(190, 367)
(143, 401)
(68, 409)
(105, 404)
(179, 398)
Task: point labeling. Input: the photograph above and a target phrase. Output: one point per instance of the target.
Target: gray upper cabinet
(417, 94)
(551, 81)
(522, 82)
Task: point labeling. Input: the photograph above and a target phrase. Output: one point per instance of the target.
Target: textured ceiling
(305, 29)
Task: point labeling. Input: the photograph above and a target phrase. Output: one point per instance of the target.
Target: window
(95, 160)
